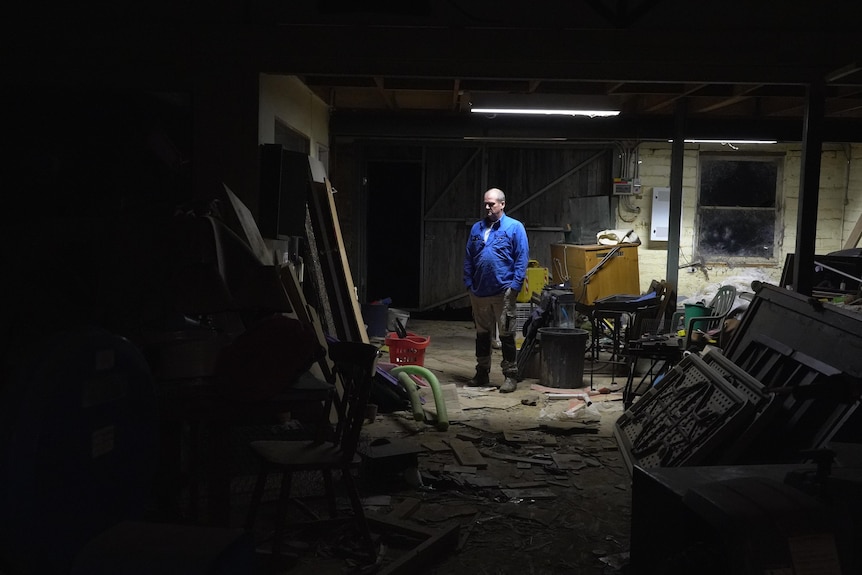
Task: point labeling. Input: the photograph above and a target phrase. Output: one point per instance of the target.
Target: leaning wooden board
(337, 277)
(306, 313)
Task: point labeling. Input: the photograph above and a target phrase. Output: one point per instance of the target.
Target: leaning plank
(337, 277)
(306, 314)
(317, 281)
(357, 323)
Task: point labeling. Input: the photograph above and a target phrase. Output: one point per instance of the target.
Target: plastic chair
(354, 365)
(720, 306)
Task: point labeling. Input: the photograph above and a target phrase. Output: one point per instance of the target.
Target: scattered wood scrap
(467, 454)
(468, 436)
(525, 484)
(531, 512)
(404, 509)
(433, 544)
(529, 493)
(507, 457)
(481, 481)
(568, 461)
(601, 394)
(435, 445)
(529, 437)
(566, 427)
(452, 468)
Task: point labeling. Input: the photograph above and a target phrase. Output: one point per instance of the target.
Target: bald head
(497, 194)
(494, 201)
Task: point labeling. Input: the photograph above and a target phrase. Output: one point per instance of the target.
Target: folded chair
(354, 364)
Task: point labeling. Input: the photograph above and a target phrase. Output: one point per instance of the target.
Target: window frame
(711, 256)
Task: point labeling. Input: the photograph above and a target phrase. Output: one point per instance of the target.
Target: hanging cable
(629, 209)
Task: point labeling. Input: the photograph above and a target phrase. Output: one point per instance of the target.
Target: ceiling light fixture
(729, 141)
(542, 105)
(549, 112)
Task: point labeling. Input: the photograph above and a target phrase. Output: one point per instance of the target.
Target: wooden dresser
(618, 275)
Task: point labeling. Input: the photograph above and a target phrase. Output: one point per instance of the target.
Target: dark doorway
(394, 233)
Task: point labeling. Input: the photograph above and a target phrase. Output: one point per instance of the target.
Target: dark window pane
(744, 183)
(736, 233)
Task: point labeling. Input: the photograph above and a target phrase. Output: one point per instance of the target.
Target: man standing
(495, 264)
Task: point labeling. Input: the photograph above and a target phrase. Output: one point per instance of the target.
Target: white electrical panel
(660, 221)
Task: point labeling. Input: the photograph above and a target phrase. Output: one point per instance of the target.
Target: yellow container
(534, 281)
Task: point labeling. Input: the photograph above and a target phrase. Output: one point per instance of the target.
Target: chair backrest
(354, 364)
(650, 320)
(720, 306)
(723, 301)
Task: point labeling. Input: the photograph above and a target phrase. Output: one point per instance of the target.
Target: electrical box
(660, 219)
(623, 187)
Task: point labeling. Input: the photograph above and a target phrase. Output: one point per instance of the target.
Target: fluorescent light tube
(549, 112)
(729, 141)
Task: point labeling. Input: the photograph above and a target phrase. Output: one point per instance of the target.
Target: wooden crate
(618, 275)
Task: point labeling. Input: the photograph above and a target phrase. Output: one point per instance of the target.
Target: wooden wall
(559, 193)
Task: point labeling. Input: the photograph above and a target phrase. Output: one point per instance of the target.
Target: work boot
(509, 385)
(479, 380)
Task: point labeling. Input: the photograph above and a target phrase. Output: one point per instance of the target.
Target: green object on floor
(439, 401)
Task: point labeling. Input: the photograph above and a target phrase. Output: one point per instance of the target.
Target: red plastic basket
(408, 350)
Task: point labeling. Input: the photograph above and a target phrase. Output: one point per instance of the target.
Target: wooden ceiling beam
(387, 98)
(689, 91)
(744, 94)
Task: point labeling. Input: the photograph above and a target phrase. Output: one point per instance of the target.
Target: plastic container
(562, 351)
(565, 315)
(376, 318)
(695, 310)
(397, 313)
(522, 314)
(535, 279)
(408, 350)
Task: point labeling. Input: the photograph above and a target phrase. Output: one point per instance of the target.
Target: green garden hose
(403, 372)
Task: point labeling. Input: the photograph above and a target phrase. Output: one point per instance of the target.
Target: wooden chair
(651, 319)
(354, 364)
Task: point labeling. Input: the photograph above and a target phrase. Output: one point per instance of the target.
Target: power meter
(623, 187)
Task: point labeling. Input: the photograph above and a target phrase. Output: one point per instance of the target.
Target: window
(737, 208)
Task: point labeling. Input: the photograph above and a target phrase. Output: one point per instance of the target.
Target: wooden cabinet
(618, 275)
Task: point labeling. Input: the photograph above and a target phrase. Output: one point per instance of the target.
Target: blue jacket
(500, 263)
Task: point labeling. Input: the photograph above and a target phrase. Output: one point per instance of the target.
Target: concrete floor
(450, 356)
(550, 495)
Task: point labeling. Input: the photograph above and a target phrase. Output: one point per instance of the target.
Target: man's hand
(509, 296)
